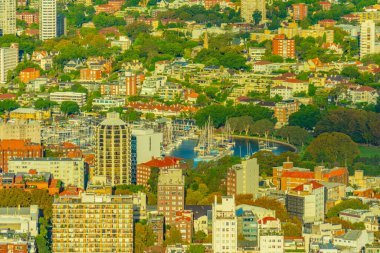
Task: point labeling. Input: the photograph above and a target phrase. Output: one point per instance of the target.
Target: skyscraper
(113, 150)
(248, 7)
(48, 19)
(367, 38)
(7, 17)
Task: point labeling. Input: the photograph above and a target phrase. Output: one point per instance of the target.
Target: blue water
(242, 148)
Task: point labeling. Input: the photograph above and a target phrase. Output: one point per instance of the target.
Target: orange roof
(336, 172)
(314, 184)
(7, 96)
(193, 95)
(19, 145)
(71, 192)
(69, 145)
(29, 70)
(298, 174)
(162, 162)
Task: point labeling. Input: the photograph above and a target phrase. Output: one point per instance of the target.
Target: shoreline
(295, 150)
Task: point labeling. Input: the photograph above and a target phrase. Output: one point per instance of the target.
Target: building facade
(7, 17)
(91, 223)
(224, 226)
(71, 171)
(283, 47)
(8, 61)
(19, 129)
(170, 193)
(17, 148)
(77, 97)
(244, 178)
(113, 150)
(367, 38)
(48, 19)
(299, 11)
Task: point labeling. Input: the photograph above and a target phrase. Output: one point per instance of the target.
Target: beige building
(170, 193)
(21, 130)
(7, 17)
(91, 223)
(70, 170)
(8, 61)
(248, 7)
(367, 38)
(113, 150)
(314, 31)
(77, 97)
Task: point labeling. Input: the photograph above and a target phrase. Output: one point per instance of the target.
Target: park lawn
(366, 151)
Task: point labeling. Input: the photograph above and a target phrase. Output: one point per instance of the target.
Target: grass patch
(370, 151)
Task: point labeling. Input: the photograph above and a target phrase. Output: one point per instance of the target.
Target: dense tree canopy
(307, 117)
(333, 148)
(69, 107)
(8, 105)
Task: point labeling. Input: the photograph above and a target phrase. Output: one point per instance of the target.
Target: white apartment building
(123, 42)
(244, 178)
(148, 144)
(367, 38)
(107, 103)
(271, 238)
(152, 84)
(59, 97)
(224, 226)
(20, 130)
(20, 219)
(70, 170)
(8, 61)
(48, 19)
(7, 17)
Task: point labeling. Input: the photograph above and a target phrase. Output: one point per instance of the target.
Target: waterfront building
(145, 146)
(113, 150)
(92, 223)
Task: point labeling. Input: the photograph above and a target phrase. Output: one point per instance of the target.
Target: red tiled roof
(298, 174)
(18, 145)
(336, 172)
(315, 185)
(7, 96)
(167, 161)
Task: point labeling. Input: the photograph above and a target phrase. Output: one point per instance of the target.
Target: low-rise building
(20, 219)
(11, 241)
(19, 129)
(271, 237)
(283, 110)
(29, 74)
(184, 223)
(71, 171)
(77, 97)
(353, 240)
(354, 215)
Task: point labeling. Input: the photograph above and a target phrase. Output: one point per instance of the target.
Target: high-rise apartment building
(248, 7)
(224, 226)
(48, 19)
(286, 48)
(8, 61)
(113, 150)
(7, 17)
(130, 84)
(170, 193)
(244, 178)
(92, 223)
(367, 38)
(299, 11)
(61, 25)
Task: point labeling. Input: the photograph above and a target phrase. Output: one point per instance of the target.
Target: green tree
(294, 135)
(8, 105)
(333, 148)
(144, 237)
(70, 107)
(78, 88)
(193, 248)
(262, 127)
(257, 16)
(173, 237)
(44, 104)
(346, 204)
(307, 117)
